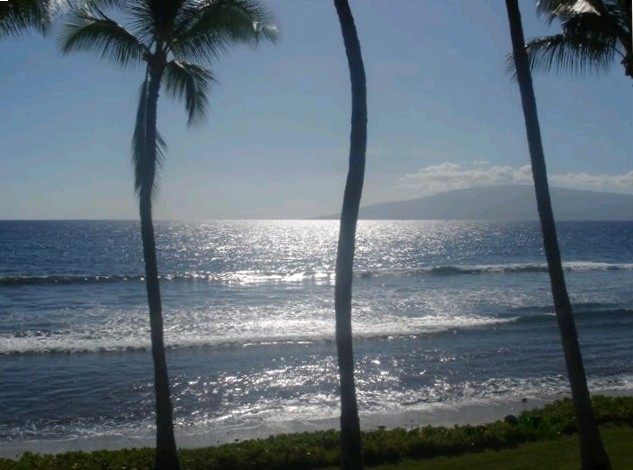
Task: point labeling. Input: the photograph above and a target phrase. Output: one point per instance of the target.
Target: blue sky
(443, 114)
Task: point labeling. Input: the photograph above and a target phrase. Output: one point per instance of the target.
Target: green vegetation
(19, 16)
(547, 433)
(593, 36)
(559, 454)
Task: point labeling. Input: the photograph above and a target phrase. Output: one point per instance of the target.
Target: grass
(542, 438)
(559, 454)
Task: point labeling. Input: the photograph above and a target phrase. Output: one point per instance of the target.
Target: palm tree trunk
(593, 455)
(166, 453)
(351, 447)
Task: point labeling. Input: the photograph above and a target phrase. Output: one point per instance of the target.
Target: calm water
(444, 313)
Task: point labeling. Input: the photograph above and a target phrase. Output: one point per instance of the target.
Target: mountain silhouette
(514, 202)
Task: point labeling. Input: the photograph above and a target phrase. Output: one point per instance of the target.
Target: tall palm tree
(593, 455)
(17, 16)
(172, 38)
(351, 448)
(594, 34)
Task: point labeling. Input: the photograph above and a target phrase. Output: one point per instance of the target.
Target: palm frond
(139, 139)
(146, 173)
(161, 149)
(590, 28)
(18, 16)
(602, 28)
(553, 9)
(206, 29)
(191, 83)
(625, 7)
(154, 20)
(91, 30)
(100, 4)
(560, 52)
(620, 12)
(613, 14)
(164, 16)
(616, 14)
(142, 21)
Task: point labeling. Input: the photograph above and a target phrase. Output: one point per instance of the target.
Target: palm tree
(351, 448)
(17, 16)
(594, 34)
(593, 455)
(172, 38)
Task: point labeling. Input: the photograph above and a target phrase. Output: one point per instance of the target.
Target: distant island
(512, 202)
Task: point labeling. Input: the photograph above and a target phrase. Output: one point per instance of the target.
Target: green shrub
(321, 449)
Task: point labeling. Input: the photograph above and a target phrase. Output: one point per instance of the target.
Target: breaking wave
(257, 277)
(130, 338)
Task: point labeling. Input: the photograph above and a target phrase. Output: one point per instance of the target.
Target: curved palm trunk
(351, 448)
(166, 454)
(593, 455)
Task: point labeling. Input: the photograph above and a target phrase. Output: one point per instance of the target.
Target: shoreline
(447, 415)
(438, 414)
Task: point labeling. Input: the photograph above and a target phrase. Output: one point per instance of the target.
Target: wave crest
(131, 338)
(258, 277)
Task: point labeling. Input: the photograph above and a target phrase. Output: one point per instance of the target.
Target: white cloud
(618, 183)
(448, 176)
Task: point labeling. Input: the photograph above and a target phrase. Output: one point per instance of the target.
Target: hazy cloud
(448, 176)
(618, 183)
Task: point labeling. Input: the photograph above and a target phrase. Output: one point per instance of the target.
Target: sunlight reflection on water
(444, 313)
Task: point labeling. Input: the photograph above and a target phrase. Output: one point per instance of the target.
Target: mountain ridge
(509, 202)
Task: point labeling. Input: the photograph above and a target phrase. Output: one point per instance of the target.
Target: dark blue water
(444, 313)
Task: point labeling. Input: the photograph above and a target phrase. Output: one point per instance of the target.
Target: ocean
(444, 314)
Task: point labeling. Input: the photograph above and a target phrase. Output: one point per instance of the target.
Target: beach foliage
(559, 454)
(321, 449)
